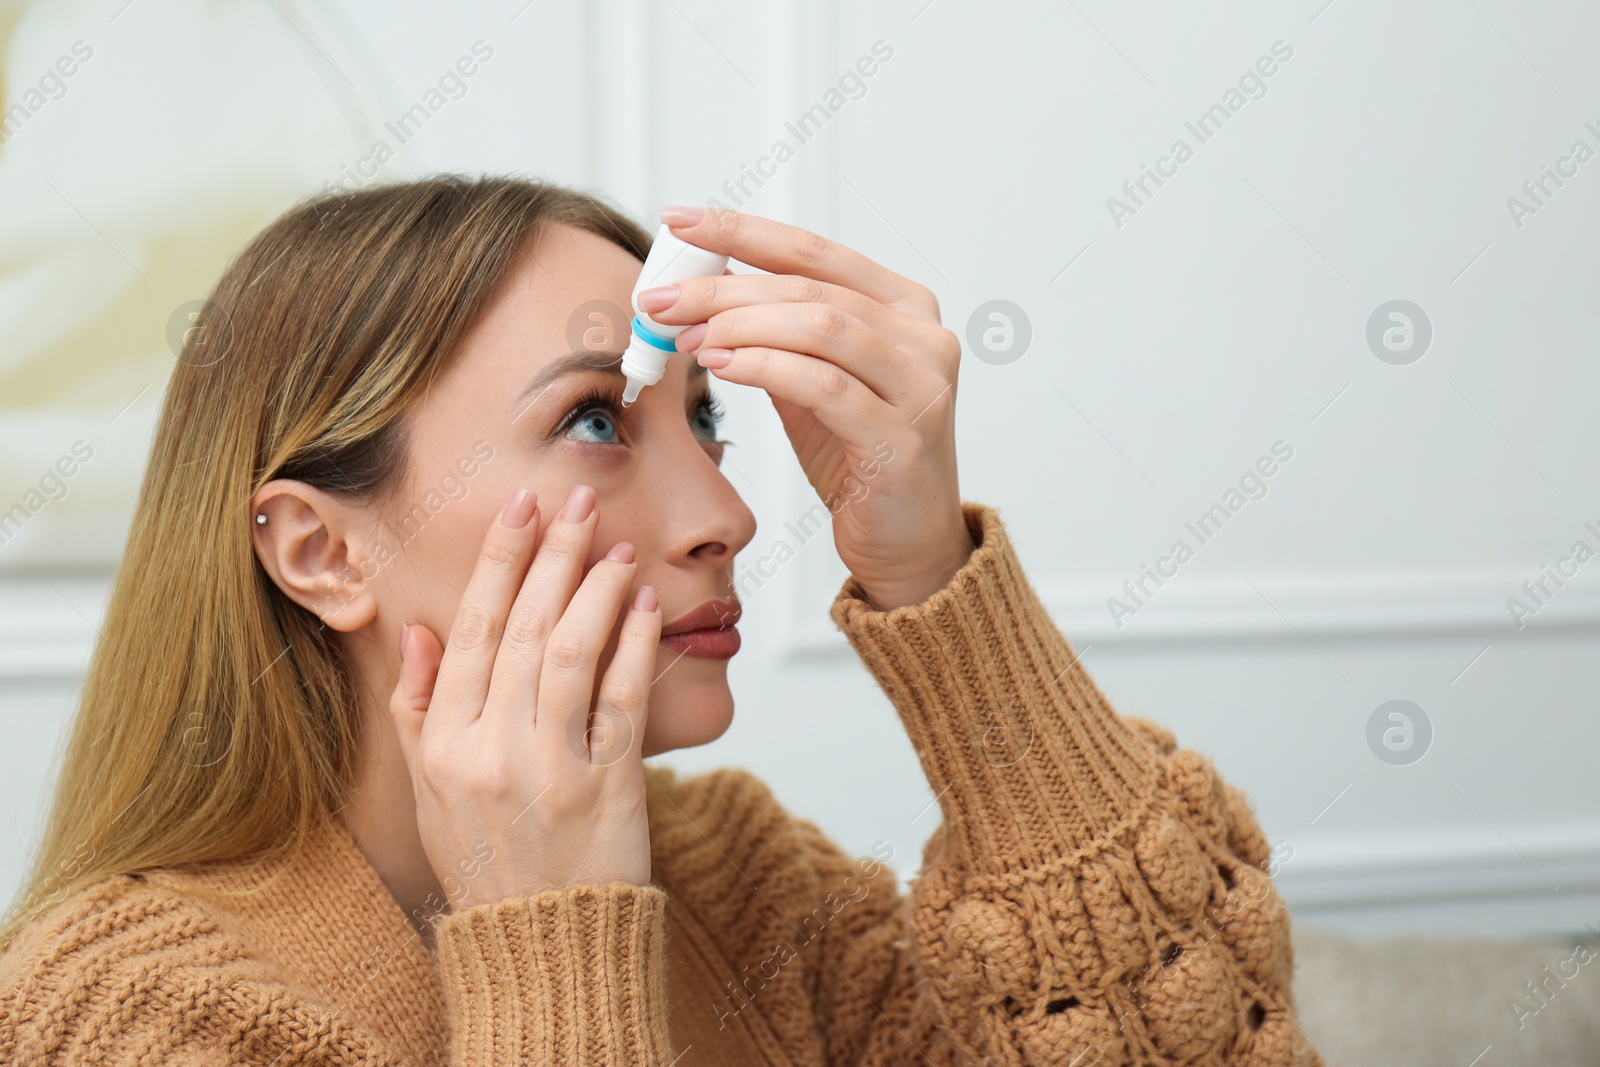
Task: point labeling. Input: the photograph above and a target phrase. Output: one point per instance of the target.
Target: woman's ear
(316, 549)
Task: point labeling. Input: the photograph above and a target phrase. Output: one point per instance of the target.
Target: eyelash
(610, 402)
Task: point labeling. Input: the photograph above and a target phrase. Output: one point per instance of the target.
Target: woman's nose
(713, 523)
(703, 516)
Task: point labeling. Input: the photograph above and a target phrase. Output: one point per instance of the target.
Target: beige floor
(1446, 1003)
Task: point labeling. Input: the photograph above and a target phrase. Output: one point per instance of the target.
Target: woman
(357, 773)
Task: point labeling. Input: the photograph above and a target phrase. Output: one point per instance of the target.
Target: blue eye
(595, 411)
(600, 420)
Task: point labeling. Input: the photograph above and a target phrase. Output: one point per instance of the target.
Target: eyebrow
(581, 362)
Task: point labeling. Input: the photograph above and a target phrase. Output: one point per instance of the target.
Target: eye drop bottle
(671, 260)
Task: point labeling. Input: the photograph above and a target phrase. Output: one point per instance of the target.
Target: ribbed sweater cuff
(573, 976)
(1029, 762)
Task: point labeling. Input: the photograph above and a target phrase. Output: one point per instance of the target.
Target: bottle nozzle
(645, 360)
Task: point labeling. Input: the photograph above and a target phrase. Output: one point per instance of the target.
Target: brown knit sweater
(1093, 896)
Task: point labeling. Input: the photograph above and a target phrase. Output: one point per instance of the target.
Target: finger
(700, 298)
(408, 704)
(783, 249)
(837, 398)
(474, 641)
(623, 702)
(823, 331)
(572, 657)
(548, 585)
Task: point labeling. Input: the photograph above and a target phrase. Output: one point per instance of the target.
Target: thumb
(408, 704)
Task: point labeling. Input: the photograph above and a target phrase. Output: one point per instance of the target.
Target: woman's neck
(380, 814)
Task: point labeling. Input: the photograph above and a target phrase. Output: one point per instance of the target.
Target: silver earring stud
(260, 520)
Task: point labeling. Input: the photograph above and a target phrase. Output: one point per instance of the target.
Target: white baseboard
(1450, 882)
(1267, 607)
(48, 626)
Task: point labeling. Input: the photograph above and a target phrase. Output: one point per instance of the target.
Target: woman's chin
(686, 712)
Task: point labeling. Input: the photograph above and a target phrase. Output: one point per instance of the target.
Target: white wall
(1169, 350)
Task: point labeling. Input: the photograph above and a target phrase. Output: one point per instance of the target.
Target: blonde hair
(217, 718)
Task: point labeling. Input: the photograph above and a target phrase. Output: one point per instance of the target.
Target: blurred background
(1307, 289)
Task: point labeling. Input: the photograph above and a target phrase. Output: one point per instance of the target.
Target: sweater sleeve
(571, 976)
(122, 973)
(1093, 895)
(126, 972)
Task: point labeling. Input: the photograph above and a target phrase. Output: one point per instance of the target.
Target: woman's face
(653, 466)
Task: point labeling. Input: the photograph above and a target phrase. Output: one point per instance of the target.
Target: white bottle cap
(671, 260)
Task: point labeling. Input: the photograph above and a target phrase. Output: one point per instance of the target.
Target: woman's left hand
(863, 376)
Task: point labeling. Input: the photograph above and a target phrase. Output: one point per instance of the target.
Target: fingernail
(690, 339)
(622, 552)
(715, 358)
(646, 600)
(404, 630)
(518, 510)
(579, 503)
(682, 214)
(658, 299)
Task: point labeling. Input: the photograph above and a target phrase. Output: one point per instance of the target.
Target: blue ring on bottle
(667, 345)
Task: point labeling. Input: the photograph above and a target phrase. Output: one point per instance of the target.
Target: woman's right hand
(515, 792)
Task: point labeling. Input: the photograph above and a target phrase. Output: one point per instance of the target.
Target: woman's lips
(710, 643)
(706, 631)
